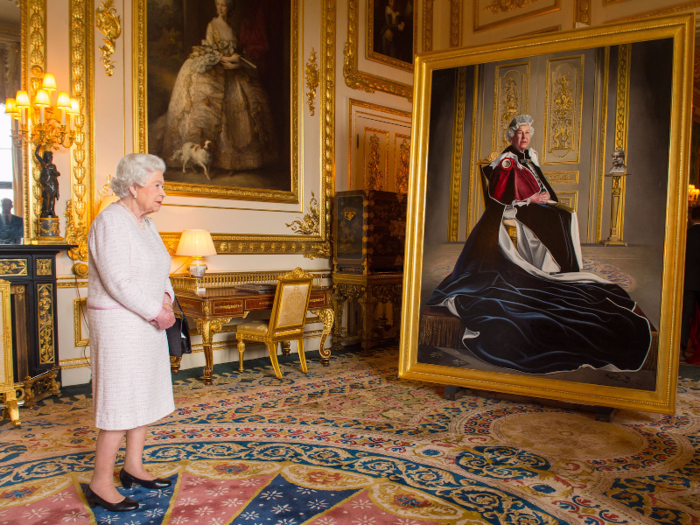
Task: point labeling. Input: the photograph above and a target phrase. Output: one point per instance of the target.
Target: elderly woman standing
(129, 304)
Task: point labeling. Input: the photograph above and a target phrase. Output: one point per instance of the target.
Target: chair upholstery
(286, 322)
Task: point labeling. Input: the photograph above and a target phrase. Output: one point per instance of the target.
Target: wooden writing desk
(212, 308)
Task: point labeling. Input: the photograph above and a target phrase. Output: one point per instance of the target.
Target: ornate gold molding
(506, 6)
(402, 164)
(80, 207)
(33, 69)
(460, 103)
(582, 12)
(45, 317)
(356, 79)
(428, 9)
(309, 224)
(511, 98)
(563, 110)
(456, 23)
(601, 147)
(257, 243)
(472, 153)
(311, 81)
(562, 177)
(498, 7)
(687, 6)
(110, 25)
(80, 341)
(622, 104)
(44, 266)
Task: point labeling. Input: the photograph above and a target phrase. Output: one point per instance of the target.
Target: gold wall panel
(356, 79)
(402, 160)
(570, 198)
(563, 110)
(561, 177)
(460, 103)
(511, 98)
(13, 267)
(456, 16)
(78, 306)
(622, 106)
(672, 10)
(45, 317)
(601, 147)
(376, 161)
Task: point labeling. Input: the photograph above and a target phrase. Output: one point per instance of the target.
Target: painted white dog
(198, 155)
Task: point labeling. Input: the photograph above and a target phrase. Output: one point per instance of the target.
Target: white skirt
(131, 381)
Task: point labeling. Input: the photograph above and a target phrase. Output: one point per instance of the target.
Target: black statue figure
(49, 183)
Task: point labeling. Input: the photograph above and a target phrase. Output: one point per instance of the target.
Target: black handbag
(179, 335)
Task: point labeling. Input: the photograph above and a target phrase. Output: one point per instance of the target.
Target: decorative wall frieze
(511, 96)
(563, 110)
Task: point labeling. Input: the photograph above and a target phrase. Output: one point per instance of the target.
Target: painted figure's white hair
(520, 120)
(134, 168)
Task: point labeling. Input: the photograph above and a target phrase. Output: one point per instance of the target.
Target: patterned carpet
(353, 444)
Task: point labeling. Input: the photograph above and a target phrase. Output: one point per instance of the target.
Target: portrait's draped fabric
(530, 309)
(228, 107)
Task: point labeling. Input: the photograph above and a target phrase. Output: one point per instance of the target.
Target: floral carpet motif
(353, 444)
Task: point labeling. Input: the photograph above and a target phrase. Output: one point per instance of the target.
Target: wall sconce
(196, 244)
(37, 121)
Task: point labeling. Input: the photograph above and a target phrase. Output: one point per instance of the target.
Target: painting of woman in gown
(219, 126)
(519, 305)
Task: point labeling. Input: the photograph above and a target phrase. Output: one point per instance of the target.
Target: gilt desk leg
(327, 316)
(208, 327)
(11, 411)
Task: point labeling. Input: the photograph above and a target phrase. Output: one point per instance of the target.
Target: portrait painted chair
(286, 323)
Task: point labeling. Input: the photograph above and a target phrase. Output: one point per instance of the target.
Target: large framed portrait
(391, 32)
(547, 215)
(220, 90)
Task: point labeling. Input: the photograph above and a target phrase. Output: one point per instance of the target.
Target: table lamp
(196, 244)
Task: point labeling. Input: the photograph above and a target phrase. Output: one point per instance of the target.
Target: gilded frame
(317, 245)
(681, 29)
(373, 54)
(356, 79)
(207, 190)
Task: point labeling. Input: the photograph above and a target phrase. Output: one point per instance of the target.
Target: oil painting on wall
(557, 280)
(391, 38)
(218, 94)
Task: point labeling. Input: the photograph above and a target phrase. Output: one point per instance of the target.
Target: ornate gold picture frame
(475, 313)
(314, 238)
(392, 32)
(223, 133)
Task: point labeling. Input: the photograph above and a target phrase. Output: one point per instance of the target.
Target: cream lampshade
(196, 244)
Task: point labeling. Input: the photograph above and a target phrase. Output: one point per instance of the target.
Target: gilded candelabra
(37, 120)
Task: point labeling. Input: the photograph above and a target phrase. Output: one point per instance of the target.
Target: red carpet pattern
(353, 444)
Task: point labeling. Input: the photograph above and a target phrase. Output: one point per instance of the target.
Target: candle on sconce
(63, 104)
(22, 100)
(43, 102)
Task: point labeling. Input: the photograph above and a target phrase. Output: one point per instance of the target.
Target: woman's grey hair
(520, 120)
(134, 168)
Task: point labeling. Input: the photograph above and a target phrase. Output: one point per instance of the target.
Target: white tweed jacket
(128, 267)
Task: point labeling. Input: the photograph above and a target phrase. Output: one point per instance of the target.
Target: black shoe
(124, 505)
(128, 480)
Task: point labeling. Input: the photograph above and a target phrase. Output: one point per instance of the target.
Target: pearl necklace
(140, 223)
